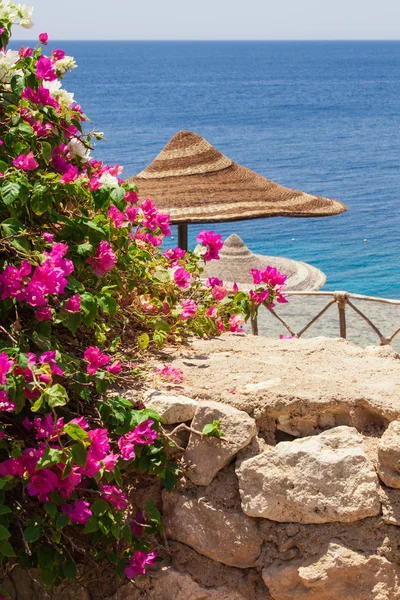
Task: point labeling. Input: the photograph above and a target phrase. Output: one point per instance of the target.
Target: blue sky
(216, 19)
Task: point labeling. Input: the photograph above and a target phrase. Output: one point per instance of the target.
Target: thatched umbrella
(237, 260)
(195, 183)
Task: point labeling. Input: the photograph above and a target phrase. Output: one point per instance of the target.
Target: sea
(322, 117)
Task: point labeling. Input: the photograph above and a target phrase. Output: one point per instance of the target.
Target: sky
(215, 19)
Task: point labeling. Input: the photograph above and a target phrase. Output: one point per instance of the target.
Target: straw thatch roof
(236, 261)
(195, 183)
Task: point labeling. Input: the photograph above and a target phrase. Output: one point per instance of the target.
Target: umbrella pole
(183, 236)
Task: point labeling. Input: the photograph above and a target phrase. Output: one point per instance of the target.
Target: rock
(206, 456)
(319, 479)
(389, 456)
(172, 409)
(390, 506)
(337, 573)
(169, 584)
(226, 536)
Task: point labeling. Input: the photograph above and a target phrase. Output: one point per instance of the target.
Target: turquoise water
(323, 117)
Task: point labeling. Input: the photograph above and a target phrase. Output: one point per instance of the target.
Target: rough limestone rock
(226, 536)
(319, 479)
(172, 409)
(337, 573)
(207, 456)
(389, 456)
(169, 584)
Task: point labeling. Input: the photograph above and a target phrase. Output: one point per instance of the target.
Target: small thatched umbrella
(236, 262)
(195, 183)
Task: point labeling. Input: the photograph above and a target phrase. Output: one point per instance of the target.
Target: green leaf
(99, 507)
(37, 404)
(108, 304)
(91, 525)
(32, 534)
(9, 192)
(6, 549)
(62, 521)
(143, 341)
(56, 395)
(79, 454)
(89, 308)
(13, 227)
(51, 509)
(118, 197)
(40, 204)
(4, 533)
(84, 249)
(69, 569)
(3, 166)
(49, 457)
(4, 510)
(212, 429)
(77, 433)
(48, 575)
(46, 151)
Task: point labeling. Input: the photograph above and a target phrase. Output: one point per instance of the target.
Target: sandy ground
(301, 310)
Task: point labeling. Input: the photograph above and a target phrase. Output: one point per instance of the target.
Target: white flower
(8, 12)
(199, 250)
(76, 148)
(65, 64)
(109, 180)
(58, 92)
(8, 60)
(25, 13)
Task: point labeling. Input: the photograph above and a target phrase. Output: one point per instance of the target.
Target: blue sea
(323, 117)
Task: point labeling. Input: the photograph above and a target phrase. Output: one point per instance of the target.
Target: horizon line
(211, 40)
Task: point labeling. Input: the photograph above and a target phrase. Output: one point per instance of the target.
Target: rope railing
(342, 300)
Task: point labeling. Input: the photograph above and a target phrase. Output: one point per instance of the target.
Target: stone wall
(300, 499)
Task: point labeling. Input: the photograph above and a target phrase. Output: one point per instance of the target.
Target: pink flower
(110, 461)
(126, 448)
(100, 445)
(142, 434)
(6, 405)
(131, 213)
(131, 197)
(43, 38)
(235, 323)
(212, 241)
(213, 281)
(219, 292)
(138, 562)
(45, 70)
(173, 255)
(269, 275)
(114, 495)
(48, 237)
(137, 526)
(212, 312)
(104, 260)
(170, 373)
(189, 310)
(235, 287)
(73, 304)
(182, 278)
(81, 422)
(280, 295)
(259, 297)
(45, 427)
(5, 367)
(71, 173)
(154, 240)
(42, 484)
(95, 359)
(25, 52)
(41, 96)
(58, 54)
(44, 314)
(26, 162)
(288, 337)
(49, 357)
(42, 130)
(67, 485)
(79, 512)
(12, 466)
(220, 324)
(116, 216)
(114, 368)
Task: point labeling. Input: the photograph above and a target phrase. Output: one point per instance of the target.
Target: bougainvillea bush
(85, 289)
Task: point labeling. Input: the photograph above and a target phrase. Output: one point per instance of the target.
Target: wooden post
(183, 236)
(254, 322)
(341, 300)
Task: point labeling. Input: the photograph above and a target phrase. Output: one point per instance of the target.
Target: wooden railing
(342, 300)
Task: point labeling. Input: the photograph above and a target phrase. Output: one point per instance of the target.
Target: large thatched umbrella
(195, 183)
(237, 260)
